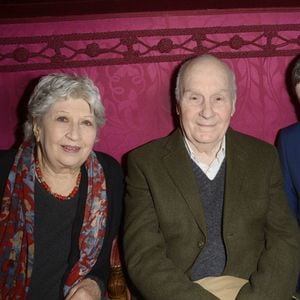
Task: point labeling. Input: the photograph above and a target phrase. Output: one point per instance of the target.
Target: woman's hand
(87, 289)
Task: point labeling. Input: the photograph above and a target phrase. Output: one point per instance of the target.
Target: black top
(114, 186)
(53, 221)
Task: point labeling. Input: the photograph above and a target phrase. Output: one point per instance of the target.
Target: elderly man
(206, 217)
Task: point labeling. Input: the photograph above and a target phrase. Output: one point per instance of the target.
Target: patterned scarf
(17, 225)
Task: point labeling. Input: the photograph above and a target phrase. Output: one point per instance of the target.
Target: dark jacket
(165, 228)
(289, 152)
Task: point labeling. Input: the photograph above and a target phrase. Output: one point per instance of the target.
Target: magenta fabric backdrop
(132, 58)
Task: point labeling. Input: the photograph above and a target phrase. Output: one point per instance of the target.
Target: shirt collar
(219, 156)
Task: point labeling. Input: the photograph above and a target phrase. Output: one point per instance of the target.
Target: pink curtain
(132, 59)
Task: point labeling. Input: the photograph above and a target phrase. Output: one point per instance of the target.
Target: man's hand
(87, 289)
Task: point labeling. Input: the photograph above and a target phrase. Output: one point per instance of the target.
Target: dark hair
(296, 73)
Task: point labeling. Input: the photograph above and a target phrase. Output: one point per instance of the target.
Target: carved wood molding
(146, 46)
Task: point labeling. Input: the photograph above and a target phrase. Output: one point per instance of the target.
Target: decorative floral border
(146, 46)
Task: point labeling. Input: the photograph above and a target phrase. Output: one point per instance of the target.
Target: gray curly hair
(57, 87)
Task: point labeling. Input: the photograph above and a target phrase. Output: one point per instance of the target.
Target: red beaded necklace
(41, 179)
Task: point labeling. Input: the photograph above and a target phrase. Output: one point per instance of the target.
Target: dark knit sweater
(211, 261)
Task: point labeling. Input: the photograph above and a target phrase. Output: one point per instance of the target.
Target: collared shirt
(212, 169)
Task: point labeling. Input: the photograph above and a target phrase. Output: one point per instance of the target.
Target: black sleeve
(6, 161)
(115, 188)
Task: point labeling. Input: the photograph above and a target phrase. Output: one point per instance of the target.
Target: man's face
(206, 104)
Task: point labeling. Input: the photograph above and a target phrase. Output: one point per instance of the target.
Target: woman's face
(66, 135)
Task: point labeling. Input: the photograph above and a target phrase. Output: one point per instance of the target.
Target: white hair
(59, 87)
(187, 63)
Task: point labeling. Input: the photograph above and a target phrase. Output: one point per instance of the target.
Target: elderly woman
(289, 152)
(60, 200)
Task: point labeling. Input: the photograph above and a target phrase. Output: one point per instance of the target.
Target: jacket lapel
(234, 178)
(179, 168)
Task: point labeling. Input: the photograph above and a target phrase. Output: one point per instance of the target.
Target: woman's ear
(36, 131)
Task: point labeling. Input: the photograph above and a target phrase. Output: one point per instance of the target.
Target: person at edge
(288, 144)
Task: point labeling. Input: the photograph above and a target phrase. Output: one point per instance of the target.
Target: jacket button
(200, 244)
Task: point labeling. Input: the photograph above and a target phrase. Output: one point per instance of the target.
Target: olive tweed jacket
(165, 227)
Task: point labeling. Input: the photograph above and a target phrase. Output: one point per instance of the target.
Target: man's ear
(233, 106)
(177, 109)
